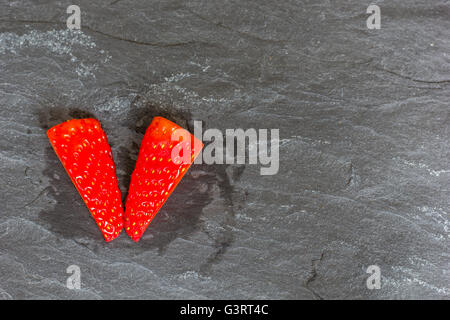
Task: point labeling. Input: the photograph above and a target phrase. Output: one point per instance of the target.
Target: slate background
(364, 152)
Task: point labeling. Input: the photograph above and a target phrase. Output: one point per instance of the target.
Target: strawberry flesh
(157, 173)
(83, 149)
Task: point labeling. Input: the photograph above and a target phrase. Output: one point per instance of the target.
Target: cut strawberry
(167, 151)
(83, 149)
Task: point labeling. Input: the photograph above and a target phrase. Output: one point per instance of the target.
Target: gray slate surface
(364, 156)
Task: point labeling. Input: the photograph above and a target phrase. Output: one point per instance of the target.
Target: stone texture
(364, 154)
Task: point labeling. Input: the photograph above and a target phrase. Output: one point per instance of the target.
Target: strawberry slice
(167, 151)
(83, 149)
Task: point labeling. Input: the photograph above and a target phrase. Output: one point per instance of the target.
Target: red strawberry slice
(83, 149)
(167, 151)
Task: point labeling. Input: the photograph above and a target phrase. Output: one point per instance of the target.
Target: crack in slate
(152, 44)
(314, 264)
(411, 78)
(223, 26)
